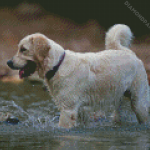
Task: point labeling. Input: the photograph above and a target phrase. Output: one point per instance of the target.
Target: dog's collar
(53, 71)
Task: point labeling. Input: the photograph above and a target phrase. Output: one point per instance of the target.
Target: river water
(38, 127)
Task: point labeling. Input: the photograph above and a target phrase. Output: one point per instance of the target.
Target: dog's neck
(49, 74)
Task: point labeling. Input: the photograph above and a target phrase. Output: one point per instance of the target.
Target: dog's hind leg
(139, 105)
(140, 101)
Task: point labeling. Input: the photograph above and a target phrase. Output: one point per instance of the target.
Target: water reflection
(77, 141)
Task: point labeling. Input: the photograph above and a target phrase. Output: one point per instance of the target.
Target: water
(38, 127)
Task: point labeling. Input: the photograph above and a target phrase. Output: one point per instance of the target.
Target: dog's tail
(118, 37)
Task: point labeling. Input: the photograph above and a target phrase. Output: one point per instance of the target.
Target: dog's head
(32, 51)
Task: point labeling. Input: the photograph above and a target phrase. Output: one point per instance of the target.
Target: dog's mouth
(28, 69)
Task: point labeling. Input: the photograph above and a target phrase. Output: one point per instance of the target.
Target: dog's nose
(10, 63)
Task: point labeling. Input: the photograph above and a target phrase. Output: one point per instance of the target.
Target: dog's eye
(22, 49)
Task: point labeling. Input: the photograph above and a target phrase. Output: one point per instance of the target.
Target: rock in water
(12, 120)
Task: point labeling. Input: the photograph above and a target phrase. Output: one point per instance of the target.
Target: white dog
(79, 81)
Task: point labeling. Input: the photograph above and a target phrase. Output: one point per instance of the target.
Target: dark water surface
(38, 128)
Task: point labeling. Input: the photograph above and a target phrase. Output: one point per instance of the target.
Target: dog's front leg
(71, 117)
(117, 112)
(68, 118)
(84, 114)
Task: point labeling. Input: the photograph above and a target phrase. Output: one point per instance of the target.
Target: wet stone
(12, 120)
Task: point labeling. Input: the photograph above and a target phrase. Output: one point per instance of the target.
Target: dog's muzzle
(11, 65)
(24, 71)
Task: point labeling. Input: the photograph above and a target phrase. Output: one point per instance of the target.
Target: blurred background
(76, 25)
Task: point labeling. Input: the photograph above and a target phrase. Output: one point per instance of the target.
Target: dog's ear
(41, 47)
